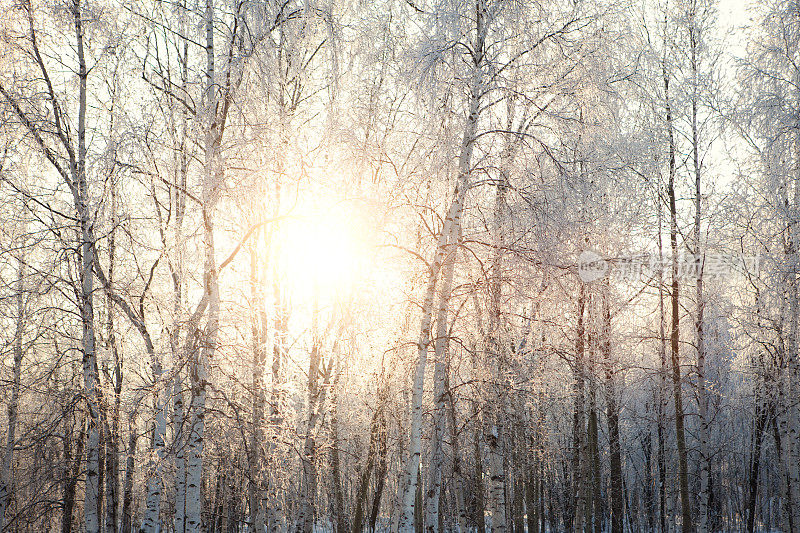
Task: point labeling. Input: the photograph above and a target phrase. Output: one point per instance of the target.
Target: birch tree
(51, 129)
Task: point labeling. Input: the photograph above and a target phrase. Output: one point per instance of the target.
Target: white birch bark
(203, 344)
(431, 522)
(410, 481)
(787, 386)
(453, 218)
(496, 504)
(702, 396)
(201, 349)
(152, 516)
(446, 247)
(793, 357)
(179, 444)
(91, 381)
(178, 411)
(272, 501)
(67, 155)
(73, 156)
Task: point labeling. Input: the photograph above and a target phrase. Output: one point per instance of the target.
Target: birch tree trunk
(366, 474)
(433, 494)
(792, 418)
(177, 271)
(101, 453)
(202, 345)
(443, 259)
(6, 481)
(612, 412)
(305, 519)
(113, 429)
(91, 381)
(680, 432)
(130, 471)
(179, 445)
(478, 484)
(410, 479)
(531, 488)
(661, 393)
(112, 465)
(580, 469)
(596, 513)
(381, 472)
(73, 471)
(702, 396)
(448, 231)
(441, 342)
(152, 516)
(455, 471)
(761, 417)
(787, 387)
(258, 325)
(785, 420)
(74, 174)
(201, 349)
(496, 505)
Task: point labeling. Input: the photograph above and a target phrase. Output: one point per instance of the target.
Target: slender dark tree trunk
(478, 487)
(762, 413)
(612, 412)
(680, 432)
(661, 392)
(650, 507)
(598, 507)
(532, 494)
(366, 474)
(258, 333)
(380, 474)
(336, 468)
(73, 463)
(578, 505)
(6, 479)
(130, 472)
(112, 428)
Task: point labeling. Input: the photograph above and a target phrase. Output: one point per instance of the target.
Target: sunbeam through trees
(416, 266)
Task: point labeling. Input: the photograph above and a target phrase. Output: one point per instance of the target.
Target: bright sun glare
(322, 250)
(333, 253)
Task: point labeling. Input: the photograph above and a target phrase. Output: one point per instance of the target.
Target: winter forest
(405, 266)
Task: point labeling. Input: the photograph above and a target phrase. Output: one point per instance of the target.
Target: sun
(323, 250)
(333, 254)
